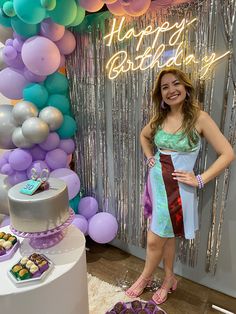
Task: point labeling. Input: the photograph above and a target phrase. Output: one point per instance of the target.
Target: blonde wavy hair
(191, 108)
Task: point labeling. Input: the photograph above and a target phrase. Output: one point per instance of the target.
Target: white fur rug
(102, 295)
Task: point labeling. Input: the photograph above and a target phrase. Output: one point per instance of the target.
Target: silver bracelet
(200, 181)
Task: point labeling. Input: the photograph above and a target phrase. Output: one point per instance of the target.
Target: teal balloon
(68, 127)
(37, 94)
(8, 9)
(4, 19)
(64, 13)
(2, 2)
(30, 12)
(24, 29)
(74, 203)
(56, 83)
(60, 102)
(79, 16)
(49, 4)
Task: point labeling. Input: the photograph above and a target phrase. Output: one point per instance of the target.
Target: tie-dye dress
(172, 205)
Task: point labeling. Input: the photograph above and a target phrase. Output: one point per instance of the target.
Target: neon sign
(153, 55)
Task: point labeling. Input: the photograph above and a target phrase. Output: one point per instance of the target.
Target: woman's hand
(151, 161)
(185, 177)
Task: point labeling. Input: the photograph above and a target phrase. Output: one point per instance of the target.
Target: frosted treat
(119, 307)
(6, 236)
(136, 304)
(2, 241)
(150, 306)
(2, 251)
(12, 239)
(2, 234)
(23, 274)
(16, 269)
(43, 266)
(29, 264)
(24, 260)
(7, 245)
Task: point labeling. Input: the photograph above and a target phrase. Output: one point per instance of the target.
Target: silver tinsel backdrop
(111, 113)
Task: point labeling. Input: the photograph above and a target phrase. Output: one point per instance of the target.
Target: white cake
(41, 211)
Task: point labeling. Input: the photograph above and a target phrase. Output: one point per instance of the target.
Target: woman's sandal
(160, 295)
(137, 288)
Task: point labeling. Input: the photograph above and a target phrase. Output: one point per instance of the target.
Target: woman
(175, 130)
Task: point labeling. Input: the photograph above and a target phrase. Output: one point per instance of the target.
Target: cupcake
(12, 239)
(15, 269)
(23, 274)
(119, 307)
(151, 306)
(136, 305)
(2, 251)
(34, 271)
(6, 236)
(43, 266)
(24, 260)
(2, 241)
(2, 234)
(29, 264)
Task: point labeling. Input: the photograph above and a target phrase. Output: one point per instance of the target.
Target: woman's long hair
(190, 109)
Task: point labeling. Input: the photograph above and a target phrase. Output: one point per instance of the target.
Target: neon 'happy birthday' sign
(152, 57)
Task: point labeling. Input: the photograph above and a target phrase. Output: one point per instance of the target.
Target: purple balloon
(17, 177)
(31, 77)
(7, 170)
(17, 44)
(6, 221)
(16, 63)
(12, 83)
(52, 30)
(103, 227)
(88, 206)
(51, 142)
(9, 52)
(20, 159)
(70, 178)
(7, 154)
(67, 43)
(81, 223)
(37, 153)
(40, 55)
(56, 158)
(9, 42)
(3, 161)
(39, 165)
(68, 145)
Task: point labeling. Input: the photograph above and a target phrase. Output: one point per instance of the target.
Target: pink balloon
(52, 30)
(109, 1)
(137, 7)
(40, 55)
(91, 5)
(116, 8)
(12, 83)
(125, 2)
(67, 43)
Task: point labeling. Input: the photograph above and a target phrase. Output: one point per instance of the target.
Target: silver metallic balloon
(7, 127)
(35, 130)
(2, 63)
(24, 110)
(19, 140)
(5, 33)
(4, 187)
(52, 116)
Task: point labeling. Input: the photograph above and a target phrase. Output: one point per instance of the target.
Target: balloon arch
(39, 128)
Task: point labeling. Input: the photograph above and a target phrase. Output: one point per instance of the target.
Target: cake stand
(46, 239)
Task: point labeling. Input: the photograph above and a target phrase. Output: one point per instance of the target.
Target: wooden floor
(111, 265)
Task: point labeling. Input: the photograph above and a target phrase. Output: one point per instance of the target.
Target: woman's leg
(155, 246)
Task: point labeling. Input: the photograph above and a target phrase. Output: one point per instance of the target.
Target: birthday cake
(41, 211)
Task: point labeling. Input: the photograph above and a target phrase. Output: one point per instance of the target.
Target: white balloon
(35, 130)
(52, 116)
(19, 140)
(24, 110)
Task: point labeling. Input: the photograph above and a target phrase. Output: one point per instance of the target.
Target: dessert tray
(8, 245)
(31, 269)
(136, 307)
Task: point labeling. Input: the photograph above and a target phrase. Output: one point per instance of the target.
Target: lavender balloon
(103, 227)
(34, 78)
(71, 179)
(37, 153)
(7, 170)
(20, 159)
(9, 52)
(51, 142)
(88, 206)
(17, 177)
(81, 223)
(68, 145)
(56, 158)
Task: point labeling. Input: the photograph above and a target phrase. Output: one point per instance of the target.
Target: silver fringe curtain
(111, 114)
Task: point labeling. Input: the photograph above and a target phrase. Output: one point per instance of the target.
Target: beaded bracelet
(200, 181)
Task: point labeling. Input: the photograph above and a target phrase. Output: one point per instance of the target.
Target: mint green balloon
(37, 94)
(24, 29)
(56, 83)
(30, 12)
(4, 20)
(8, 9)
(74, 203)
(68, 127)
(49, 4)
(60, 102)
(79, 16)
(64, 13)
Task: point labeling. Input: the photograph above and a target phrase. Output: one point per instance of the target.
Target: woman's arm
(146, 141)
(210, 131)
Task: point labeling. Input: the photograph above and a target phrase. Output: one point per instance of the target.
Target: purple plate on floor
(149, 307)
